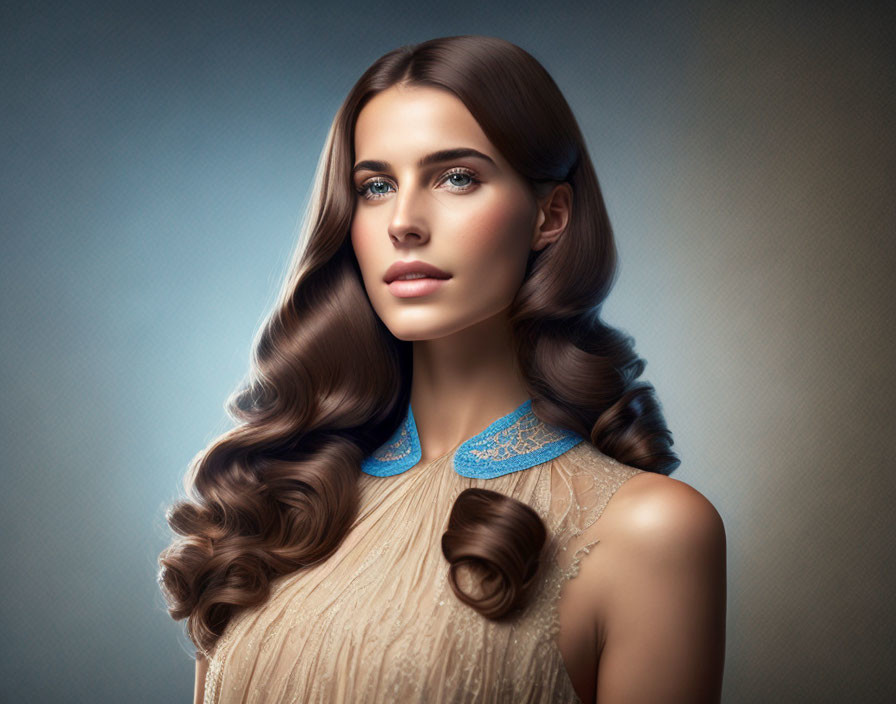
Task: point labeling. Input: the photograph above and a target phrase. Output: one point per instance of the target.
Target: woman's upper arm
(664, 610)
(201, 669)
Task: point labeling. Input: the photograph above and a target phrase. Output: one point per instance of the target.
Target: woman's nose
(408, 216)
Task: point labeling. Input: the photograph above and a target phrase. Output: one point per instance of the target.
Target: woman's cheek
(498, 241)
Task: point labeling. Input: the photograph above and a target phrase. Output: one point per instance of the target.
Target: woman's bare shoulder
(663, 512)
(661, 592)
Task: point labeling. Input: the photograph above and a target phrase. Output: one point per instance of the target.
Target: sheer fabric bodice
(378, 622)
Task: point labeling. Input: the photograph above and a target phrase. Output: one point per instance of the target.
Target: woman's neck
(461, 384)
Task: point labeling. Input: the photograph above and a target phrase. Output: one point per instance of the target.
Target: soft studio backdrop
(156, 161)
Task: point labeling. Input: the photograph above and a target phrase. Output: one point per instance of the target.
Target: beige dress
(378, 622)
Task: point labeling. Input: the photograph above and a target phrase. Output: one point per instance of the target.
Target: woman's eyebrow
(434, 158)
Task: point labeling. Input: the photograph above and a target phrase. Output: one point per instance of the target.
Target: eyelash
(363, 188)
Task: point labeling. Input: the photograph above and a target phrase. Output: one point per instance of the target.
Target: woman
(421, 464)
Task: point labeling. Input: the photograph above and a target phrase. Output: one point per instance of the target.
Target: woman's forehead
(405, 123)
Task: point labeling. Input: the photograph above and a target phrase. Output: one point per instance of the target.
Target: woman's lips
(409, 288)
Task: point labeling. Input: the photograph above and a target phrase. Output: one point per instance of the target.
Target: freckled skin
(480, 233)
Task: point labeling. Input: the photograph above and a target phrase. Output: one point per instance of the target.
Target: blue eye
(369, 190)
(462, 174)
(373, 184)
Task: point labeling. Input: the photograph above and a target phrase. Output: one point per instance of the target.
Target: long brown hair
(279, 491)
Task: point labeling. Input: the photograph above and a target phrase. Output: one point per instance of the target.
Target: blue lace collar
(516, 441)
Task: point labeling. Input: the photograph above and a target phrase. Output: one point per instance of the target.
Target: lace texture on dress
(516, 441)
(377, 620)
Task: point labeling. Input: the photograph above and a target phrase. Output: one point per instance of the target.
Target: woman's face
(472, 217)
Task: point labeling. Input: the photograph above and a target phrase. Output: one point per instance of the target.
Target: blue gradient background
(156, 159)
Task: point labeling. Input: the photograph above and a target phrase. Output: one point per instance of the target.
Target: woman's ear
(554, 211)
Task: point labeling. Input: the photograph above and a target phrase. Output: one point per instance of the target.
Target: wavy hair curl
(279, 491)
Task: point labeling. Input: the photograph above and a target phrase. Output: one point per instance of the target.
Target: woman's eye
(462, 175)
(459, 181)
(372, 187)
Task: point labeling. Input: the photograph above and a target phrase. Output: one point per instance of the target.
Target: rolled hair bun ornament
(494, 545)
